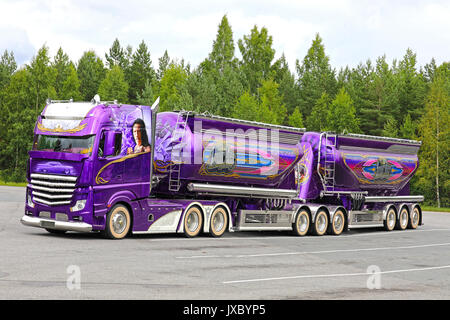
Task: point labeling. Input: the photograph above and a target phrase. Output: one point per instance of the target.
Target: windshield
(80, 145)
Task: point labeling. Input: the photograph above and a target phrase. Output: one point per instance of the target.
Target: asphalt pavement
(360, 264)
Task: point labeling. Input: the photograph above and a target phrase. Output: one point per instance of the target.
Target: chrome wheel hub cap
(119, 222)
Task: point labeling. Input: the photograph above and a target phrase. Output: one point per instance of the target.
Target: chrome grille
(51, 189)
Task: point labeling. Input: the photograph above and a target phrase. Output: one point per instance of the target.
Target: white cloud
(352, 31)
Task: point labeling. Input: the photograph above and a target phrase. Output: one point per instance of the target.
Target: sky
(352, 31)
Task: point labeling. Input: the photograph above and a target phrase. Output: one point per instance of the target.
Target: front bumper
(55, 224)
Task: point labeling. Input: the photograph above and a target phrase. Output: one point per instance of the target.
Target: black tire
(391, 220)
(118, 222)
(320, 225)
(338, 223)
(302, 222)
(193, 221)
(218, 222)
(414, 218)
(403, 219)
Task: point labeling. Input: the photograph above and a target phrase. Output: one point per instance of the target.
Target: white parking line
(343, 236)
(312, 252)
(335, 275)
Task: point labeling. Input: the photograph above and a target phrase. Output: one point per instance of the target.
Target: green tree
(222, 54)
(114, 86)
(42, 77)
(163, 64)
(271, 109)
(434, 131)
(71, 85)
(288, 89)
(341, 115)
(390, 128)
(246, 107)
(8, 66)
(146, 97)
(411, 87)
(318, 119)
(60, 64)
(408, 129)
(141, 71)
(118, 56)
(91, 73)
(16, 123)
(173, 84)
(257, 55)
(296, 119)
(315, 76)
(202, 89)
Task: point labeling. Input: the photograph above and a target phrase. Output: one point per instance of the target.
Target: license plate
(48, 224)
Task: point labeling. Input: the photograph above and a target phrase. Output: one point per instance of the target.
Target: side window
(117, 143)
(101, 145)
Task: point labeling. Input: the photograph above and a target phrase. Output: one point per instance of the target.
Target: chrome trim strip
(53, 177)
(56, 203)
(58, 225)
(50, 196)
(53, 184)
(379, 138)
(394, 199)
(246, 122)
(52, 190)
(236, 190)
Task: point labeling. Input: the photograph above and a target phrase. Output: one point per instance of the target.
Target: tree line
(397, 99)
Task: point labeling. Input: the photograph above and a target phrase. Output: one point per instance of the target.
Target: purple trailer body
(123, 169)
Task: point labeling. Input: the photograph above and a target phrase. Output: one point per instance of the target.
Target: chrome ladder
(329, 162)
(178, 136)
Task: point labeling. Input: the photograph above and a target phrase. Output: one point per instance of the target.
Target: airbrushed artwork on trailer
(216, 155)
(247, 159)
(373, 169)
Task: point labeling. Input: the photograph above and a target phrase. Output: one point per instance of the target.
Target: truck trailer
(123, 169)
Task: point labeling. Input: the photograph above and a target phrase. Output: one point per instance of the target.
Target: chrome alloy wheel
(119, 222)
(192, 222)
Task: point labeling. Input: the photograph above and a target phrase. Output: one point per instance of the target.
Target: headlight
(78, 206)
(29, 201)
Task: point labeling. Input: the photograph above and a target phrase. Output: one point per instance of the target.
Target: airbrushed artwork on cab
(245, 160)
(380, 170)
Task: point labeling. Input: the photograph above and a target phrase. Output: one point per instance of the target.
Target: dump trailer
(121, 169)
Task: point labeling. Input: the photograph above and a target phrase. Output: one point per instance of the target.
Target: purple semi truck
(121, 169)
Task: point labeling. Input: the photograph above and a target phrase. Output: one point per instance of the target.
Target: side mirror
(109, 148)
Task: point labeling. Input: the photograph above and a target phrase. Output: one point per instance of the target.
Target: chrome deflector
(55, 224)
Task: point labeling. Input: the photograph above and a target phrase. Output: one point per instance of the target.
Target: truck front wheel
(118, 222)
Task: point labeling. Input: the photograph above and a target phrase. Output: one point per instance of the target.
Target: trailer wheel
(301, 224)
(391, 218)
(338, 223)
(218, 222)
(403, 219)
(193, 220)
(414, 218)
(118, 222)
(321, 223)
